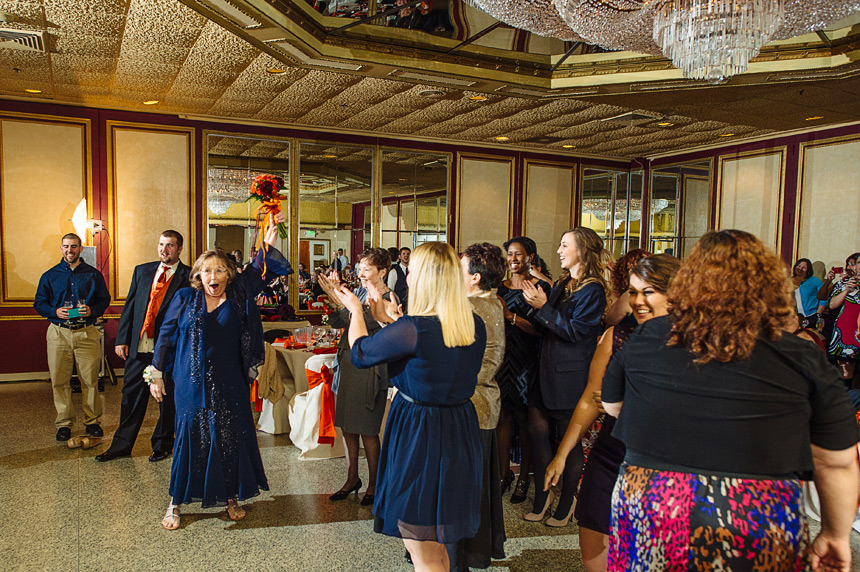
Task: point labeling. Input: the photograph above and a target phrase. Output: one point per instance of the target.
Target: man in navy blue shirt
(72, 296)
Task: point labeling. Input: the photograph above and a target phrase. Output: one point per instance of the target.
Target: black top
(755, 417)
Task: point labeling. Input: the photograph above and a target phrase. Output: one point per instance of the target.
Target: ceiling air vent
(632, 118)
(21, 40)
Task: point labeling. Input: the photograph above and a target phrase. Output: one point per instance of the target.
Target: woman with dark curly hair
(569, 322)
(723, 413)
(619, 309)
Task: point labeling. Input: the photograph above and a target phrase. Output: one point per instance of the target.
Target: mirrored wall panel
(612, 207)
(335, 195)
(232, 164)
(414, 198)
(679, 207)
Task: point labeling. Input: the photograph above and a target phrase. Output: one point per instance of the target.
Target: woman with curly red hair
(723, 413)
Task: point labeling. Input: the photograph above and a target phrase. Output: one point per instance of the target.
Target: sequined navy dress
(215, 456)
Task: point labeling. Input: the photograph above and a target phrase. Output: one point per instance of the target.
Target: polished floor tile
(66, 512)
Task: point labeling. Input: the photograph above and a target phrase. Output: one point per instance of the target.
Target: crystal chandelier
(714, 39)
(705, 39)
(225, 187)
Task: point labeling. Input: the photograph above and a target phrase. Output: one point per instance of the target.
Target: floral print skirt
(673, 521)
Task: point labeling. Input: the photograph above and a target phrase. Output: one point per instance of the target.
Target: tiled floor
(64, 511)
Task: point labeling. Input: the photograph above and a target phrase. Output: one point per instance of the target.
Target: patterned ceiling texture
(120, 53)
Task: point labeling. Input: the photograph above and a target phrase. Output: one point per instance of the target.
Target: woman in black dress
(569, 320)
(519, 366)
(648, 283)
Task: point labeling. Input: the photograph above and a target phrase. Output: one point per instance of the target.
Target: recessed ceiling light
(33, 90)
(150, 102)
(479, 98)
(665, 124)
(431, 93)
(330, 156)
(727, 135)
(814, 117)
(502, 138)
(402, 179)
(568, 146)
(276, 71)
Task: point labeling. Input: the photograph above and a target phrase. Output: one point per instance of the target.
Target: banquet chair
(271, 335)
(313, 408)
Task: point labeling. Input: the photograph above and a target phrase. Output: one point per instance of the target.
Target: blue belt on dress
(416, 402)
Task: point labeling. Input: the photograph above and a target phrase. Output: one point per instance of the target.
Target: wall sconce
(82, 224)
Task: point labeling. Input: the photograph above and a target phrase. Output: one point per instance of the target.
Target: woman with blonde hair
(569, 322)
(429, 485)
(723, 413)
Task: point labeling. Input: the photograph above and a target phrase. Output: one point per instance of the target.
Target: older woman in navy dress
(210, 340)
(429, 486)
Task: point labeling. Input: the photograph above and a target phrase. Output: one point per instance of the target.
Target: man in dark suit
(152, 288)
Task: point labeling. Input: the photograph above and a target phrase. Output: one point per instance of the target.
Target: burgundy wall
(23, 340)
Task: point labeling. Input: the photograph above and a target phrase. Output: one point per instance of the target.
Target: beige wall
(751, 195)
(549, 194)
(484, 197)
(829, 203)
(43, 176)
(152, 191)
(697, 198)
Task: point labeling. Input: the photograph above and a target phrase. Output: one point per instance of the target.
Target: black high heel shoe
(367, 499)
(507, 481)
(340, 495)
(521, 490)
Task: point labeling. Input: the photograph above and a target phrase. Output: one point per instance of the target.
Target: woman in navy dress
(569, 320)
(428, 490)
(210, 339)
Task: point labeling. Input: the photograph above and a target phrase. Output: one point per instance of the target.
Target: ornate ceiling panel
(118, 54)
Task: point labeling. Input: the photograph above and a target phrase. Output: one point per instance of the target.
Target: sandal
(238, 512)
(171, 518)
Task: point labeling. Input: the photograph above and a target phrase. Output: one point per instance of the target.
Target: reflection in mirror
(414, 198)
(612, 207)
(335, 195)
(431, 17)
(680, 207)
(232, 164)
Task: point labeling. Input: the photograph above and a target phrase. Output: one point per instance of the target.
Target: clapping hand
(348, 299)
(534, 296)
(596, 396)
(382, 310)
(330, 285)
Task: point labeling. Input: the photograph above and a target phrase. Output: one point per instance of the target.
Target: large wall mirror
(612, 207)
(232, 163)
(414, 198)
(679, 207)
(335, 197)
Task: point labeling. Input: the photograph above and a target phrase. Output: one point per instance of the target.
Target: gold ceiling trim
(377, 51)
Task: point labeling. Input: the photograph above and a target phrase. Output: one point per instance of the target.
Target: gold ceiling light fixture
(568, 146)
(33, 90)
(727, 134)
(502, 138)
(478, 98)
(814, 117)
(706, 39)
(665, 124)
(276, 71)
(151, 102)
(330, 156)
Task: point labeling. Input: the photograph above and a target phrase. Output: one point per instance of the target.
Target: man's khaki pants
(68, 347)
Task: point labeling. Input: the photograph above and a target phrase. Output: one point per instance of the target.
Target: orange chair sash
(327, 432)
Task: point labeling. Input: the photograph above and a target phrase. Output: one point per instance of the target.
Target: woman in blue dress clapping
(210, 340)
(429, 486)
